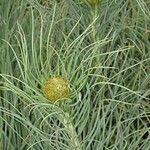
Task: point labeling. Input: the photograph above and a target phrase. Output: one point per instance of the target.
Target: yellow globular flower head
(56, 88)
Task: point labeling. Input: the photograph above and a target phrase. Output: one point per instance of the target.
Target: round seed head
(56, 88)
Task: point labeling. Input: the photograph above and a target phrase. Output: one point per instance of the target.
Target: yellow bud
(56, 88)
(93, 2)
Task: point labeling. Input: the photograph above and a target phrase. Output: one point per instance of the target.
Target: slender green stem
(73, 135)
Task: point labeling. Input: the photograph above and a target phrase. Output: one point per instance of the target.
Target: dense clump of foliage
(102, 49)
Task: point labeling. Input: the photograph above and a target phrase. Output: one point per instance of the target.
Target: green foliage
(104, 53)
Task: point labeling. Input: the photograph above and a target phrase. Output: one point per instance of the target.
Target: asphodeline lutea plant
(56, 88)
